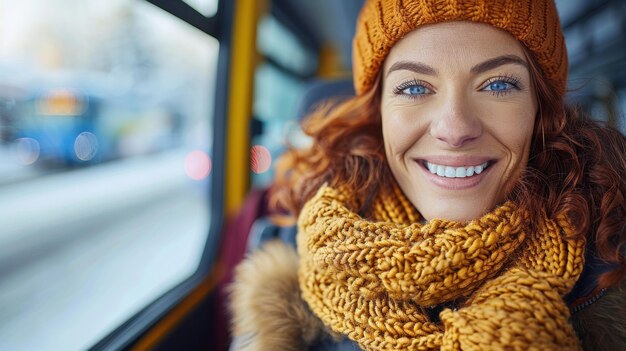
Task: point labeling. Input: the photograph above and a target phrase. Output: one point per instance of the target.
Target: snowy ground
(83, 250)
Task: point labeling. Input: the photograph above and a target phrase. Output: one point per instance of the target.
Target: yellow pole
(243, 59)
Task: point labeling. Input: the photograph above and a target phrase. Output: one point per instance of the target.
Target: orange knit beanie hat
(382, 23)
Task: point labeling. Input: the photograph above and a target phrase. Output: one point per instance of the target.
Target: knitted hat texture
(382, 23)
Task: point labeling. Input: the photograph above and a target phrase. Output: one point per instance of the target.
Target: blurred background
(106, 128)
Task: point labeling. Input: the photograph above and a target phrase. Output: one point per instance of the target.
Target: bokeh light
(86, 146)
(27, 150)
(197, 165)
(260, 159)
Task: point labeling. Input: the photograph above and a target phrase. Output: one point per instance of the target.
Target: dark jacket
(268, 313)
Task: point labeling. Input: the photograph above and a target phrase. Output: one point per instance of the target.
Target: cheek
(511, 123)
(517, 137)
(401, 129)
(522, 133)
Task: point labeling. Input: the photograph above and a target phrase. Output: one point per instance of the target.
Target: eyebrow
(497, 62)
(416, 67)
(490, 64)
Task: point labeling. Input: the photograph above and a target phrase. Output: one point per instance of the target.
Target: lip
(456, 161)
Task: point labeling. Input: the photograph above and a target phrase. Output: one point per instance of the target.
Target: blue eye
(499, 85)
(503, 85)
(415, 90)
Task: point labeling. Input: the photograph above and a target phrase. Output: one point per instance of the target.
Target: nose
(456, 123)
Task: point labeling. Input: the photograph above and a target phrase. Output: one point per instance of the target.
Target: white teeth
(450, 172)
(455, 172)
(441, 171)
(460, 172)
(470, 171)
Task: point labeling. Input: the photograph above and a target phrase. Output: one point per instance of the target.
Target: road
(82, 251)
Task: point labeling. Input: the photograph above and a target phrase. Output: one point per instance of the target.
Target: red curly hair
(576, 166)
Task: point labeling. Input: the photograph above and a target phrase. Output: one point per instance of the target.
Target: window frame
(219, 27)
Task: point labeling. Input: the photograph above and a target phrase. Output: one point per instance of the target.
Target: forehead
(454, 43)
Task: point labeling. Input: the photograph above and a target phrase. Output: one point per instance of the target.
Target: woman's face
(458, 111)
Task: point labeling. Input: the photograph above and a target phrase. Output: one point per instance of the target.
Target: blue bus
(71, 126)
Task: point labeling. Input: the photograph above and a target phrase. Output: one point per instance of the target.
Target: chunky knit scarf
(375, 280)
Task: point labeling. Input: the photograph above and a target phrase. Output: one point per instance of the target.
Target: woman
(455, 203)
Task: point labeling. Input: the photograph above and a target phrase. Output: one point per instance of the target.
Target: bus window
(106, 117)
(206, 7)
(288, 62)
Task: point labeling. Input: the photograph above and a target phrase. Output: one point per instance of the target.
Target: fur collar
(267, 310)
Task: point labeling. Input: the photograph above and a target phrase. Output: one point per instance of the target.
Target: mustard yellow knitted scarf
(373, 280)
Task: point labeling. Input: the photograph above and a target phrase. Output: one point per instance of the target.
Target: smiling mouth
(456, 172)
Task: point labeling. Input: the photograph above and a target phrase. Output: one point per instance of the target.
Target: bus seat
(321, 90)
